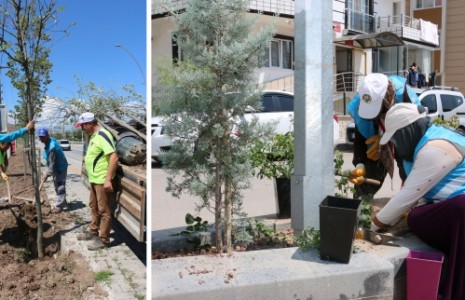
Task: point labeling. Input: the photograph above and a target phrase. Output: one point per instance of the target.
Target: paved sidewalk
(126, 258)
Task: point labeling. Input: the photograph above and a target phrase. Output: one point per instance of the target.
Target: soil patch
(285, 239)
(24, 276)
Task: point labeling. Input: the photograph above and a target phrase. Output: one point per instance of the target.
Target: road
(259, 200)
(74, 158)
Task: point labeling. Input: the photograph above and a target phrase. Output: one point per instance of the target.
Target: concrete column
(313, 177)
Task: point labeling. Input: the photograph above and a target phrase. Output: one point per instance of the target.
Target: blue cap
(42, 132)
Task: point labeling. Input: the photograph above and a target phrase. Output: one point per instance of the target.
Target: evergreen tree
(205, 95)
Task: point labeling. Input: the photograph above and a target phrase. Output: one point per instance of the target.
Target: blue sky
(90, 50)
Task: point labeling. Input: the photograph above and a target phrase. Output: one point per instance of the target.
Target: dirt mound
(24, 276)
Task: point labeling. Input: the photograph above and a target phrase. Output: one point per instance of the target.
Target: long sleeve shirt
(52, 159)
(11, 136)
(433, 162)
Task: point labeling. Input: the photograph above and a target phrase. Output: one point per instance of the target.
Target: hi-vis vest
(453, 183)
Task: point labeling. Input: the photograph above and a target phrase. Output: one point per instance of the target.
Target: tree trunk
(228, 213)
(35, 175)
(218, 231)
(228, 188)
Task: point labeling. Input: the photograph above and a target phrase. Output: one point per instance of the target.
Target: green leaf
(189, 218)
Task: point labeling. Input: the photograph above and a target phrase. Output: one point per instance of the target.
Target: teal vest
(453, 183)
(61, 162)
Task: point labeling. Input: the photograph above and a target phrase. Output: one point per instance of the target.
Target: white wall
(383, 8)
(161, 43)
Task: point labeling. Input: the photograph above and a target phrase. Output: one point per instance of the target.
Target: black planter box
(338, 223)
(283, 192)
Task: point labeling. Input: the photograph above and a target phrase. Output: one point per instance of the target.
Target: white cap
(85, 118)
(398, 117)
(372, 91)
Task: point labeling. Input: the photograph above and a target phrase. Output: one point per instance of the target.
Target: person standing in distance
(57, 167)
(101, 161)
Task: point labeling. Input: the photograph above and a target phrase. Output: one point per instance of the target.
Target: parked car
(350, 133)
(277, 107)
(444, 103)
(160, 141)
(65, 145)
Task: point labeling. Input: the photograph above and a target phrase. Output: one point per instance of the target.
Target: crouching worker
(434, 192)
(57, 167)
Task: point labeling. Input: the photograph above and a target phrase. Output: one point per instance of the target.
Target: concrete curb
(288, 273)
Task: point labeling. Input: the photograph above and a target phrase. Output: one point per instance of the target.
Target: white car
(160, 141)
(444, 103)
(65, 145)
(278, 107)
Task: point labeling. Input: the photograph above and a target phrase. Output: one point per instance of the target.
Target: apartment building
(369, 36)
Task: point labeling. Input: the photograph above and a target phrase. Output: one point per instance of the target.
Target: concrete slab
(272, 274)
(374, 272)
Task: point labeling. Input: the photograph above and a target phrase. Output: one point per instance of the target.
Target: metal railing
(407, 27)
(273, 6)
(398, 20)
(347, 81)
(360, 22)
(159, 7)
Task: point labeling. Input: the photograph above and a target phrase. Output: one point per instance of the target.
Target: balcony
(285, 7)
(408, 28)
(368, 31)
(358, 22)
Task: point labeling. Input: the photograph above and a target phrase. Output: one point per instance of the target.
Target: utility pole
(313, 177)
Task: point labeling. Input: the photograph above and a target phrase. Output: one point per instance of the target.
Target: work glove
(380, 238)
(373, 235)
(357, 180)
(356, 176)
(4, 176)
(373, 152)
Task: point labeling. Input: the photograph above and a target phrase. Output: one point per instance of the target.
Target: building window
(279, 54)
(428, 3)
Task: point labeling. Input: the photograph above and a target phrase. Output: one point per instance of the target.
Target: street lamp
(134, 59)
